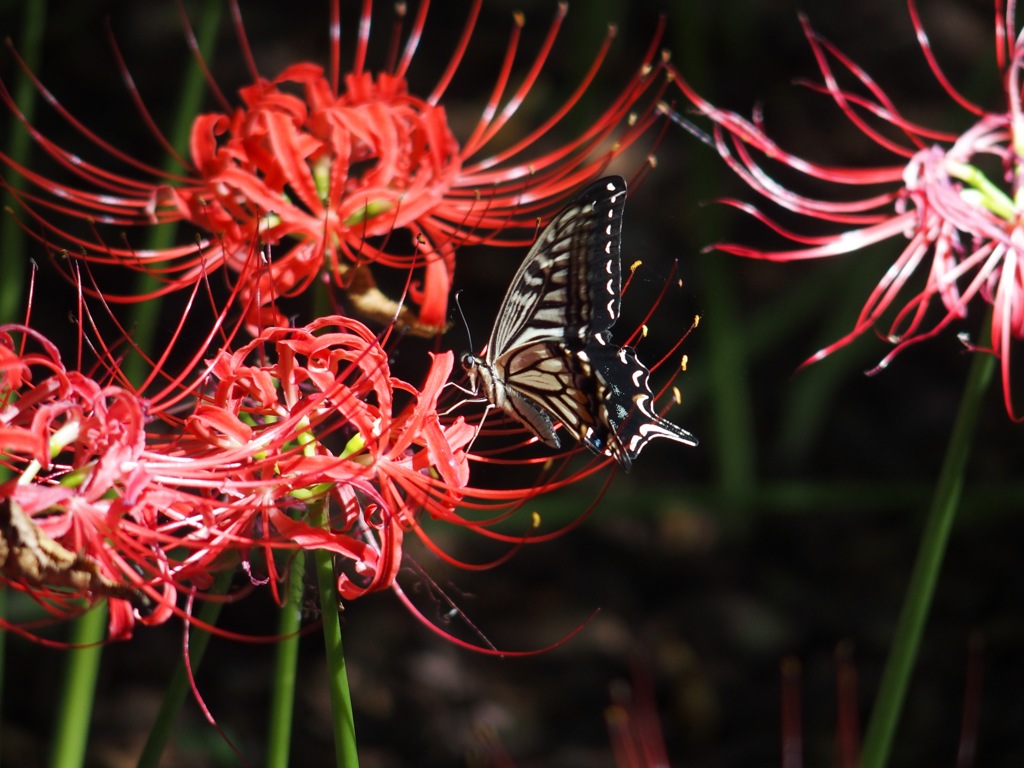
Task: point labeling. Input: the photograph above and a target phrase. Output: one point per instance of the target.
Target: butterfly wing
(565, 293)
(626, 421)
(546, 381)
(567, 288)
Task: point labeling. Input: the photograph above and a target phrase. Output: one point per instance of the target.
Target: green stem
(729, 363)
(13, 254)
(920, 591)
(282, 703)
(337, 678)
(179, 686)
(74, 711)
(982, 191)
(726, 363)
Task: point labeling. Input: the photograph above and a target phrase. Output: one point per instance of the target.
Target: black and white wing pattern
(550, 358)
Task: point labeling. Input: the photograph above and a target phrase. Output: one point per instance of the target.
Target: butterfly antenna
(469, 338)
(465, 323)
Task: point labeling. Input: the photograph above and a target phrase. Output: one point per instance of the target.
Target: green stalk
(917, 602)
(13, 255)
(337, 678)
(143, 321)
(83, 666)
(179, 686)
(282, 703)
(726, 361)
(75, 704)
(729, 363)
(74, 711)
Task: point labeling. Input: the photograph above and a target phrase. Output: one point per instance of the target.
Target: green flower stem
(13, 255)
(337, 678)
(79, 687)
(13, 258)
(179, 686)
(728, 366)
(726, 362)
(920, 591)
(74, 711)
(282, 703)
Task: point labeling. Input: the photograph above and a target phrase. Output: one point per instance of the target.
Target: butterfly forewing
(575, 259)
(550, 358)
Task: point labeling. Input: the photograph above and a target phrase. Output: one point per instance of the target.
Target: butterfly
(550, 358)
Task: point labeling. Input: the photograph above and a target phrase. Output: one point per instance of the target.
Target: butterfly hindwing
(554, 381)
(550, 360)
(628, 417)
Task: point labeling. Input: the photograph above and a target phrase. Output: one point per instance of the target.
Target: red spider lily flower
(299, 413)
(99, 508)
(116, 497)
(335, 171)
(962, 232)
(74, 448)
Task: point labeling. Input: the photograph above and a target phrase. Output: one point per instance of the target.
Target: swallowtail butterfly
(550, 357)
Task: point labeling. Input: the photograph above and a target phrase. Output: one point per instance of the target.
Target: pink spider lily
(335, 171)
(962, 231)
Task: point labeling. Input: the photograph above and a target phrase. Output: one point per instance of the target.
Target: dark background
(790, 530)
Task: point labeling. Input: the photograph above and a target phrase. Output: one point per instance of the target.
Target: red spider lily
(962, 231)
(115, 497)
(99, 508)
(336, 170)
(300, 413)
(74, 448)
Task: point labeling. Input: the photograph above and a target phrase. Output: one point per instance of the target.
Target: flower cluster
(961, 231)
(107, 500)
(276, 434)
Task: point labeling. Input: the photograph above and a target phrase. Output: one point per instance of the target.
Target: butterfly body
(550, 357)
